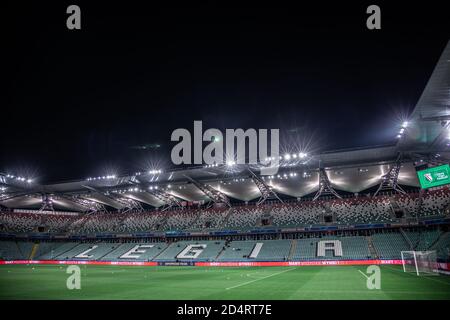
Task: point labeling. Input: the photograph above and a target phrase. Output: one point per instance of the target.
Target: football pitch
(205, 283)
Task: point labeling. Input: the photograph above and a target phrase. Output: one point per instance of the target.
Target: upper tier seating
(296, 214)
(434, 203)
(141, 222)
(20, 222)
(362, 210)
(181, 219)
(245, 217)
(349, 211)
(100, 223)
(58, 223)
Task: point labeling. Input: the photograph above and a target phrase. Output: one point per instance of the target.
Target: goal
(420, 262)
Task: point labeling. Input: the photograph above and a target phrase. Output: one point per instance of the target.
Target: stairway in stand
(292, 250)
(372, 250)
(33, 251)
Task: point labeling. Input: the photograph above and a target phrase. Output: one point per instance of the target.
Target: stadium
(368, 223)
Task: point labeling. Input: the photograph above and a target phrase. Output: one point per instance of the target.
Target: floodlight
(231, 163)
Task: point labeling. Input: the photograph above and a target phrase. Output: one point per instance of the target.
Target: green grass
(168, 283)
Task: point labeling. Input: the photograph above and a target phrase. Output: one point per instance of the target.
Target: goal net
(420, 262)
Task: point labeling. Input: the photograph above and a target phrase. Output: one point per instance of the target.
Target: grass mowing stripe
(248, 282)
(186, 283)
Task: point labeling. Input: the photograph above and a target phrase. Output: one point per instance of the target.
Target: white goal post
(420, 262)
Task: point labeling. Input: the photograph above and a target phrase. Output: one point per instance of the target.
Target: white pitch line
(248, 282)
(363, 274)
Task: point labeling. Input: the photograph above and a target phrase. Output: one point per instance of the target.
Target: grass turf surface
(169, 283)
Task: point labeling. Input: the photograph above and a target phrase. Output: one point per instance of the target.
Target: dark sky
(76, 102)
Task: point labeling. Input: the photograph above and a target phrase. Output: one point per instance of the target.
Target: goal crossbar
(420, 262)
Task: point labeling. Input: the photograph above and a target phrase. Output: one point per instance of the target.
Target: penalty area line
(248, 282)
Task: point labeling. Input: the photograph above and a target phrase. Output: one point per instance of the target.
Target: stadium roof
(432, 112)
(423, 138)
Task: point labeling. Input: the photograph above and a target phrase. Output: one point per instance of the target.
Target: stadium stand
(442, 247)
(148, 252)
(245, 217)
(435, 202)
(387, 244)
(88, 251)
(45, 249)
(408, 203)
(237, 251)
(348, 211)
(422, 240)
(265, 250)
(289, 215)
(353, 248)
(55, 251)
(10, 250)
(209, 253)
(20, 222)
(100, 222)
(390, 244)
(211, 219)
(274, 250)
(181, 220)
(58, 223)
(121, 236)
(140, 222)
(361, 210)
(431, 204)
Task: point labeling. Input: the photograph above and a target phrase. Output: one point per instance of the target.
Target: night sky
(83, 103)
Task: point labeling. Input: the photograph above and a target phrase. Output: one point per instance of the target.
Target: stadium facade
(359, 206)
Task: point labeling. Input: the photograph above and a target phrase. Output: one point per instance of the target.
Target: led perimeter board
(433, 177)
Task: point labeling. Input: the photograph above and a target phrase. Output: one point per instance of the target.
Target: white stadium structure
(366, 203)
